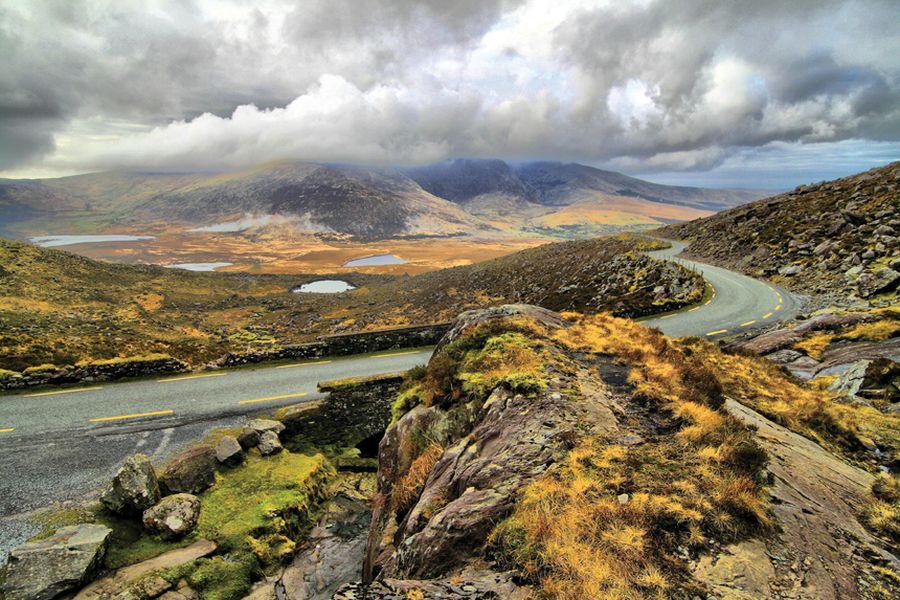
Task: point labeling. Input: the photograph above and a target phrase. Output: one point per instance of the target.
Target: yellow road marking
(778, 307)
(191, 377)
(7, 430)
(134, 416)
(267, 398)
(748, 323)
(87, 389)
(667, 317)
(717, 332)
(771, 288)
(396, 354)
(306, 364)
(767, 315)
(695, 308)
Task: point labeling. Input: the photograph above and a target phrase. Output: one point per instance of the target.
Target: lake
(378, 259)
(324, 286)
(51, 241)
(210, 266)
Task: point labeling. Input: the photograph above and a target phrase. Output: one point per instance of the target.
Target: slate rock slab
(66, 560)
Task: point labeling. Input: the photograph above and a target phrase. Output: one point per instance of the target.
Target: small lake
(378, 259)
(210, 266)
(324, 286)
(51, 241)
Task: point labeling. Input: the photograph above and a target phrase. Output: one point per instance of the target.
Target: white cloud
(650, 85)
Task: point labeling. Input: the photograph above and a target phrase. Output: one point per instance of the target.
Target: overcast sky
(755, 93)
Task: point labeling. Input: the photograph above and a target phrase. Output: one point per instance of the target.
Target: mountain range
(463, 196)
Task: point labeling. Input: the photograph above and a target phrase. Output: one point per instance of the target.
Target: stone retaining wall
(356, 409)
(106, 370)
(346, 343)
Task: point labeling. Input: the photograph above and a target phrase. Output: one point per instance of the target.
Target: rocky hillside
(588, 457)
(60, 308)
(559, 184)
(474, 197)
(836, 240)
(605, 274)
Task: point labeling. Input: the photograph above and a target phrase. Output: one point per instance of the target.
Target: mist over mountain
(462, 196)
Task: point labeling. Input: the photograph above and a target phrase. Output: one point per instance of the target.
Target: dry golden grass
(410, 485)
(605, 523)
(815, 345)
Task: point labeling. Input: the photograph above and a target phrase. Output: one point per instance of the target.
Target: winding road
(738, 303)
(59, 444)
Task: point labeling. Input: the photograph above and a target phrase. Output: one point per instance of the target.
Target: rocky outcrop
(174, 516)
(191, 472)
(45, 569)
(784, 338)
(489, 454)
(134, 488)
(821, 551)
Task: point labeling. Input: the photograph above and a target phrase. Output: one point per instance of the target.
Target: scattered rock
(880, 282)
(269, 443)
(46, 569)
(190, 472)
(229, 452)
(248, 438)
(134, 489)
(790, 270)
(263, 425)
(468, 585)
(174, 516)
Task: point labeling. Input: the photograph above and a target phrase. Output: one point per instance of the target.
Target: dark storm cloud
(649, 85)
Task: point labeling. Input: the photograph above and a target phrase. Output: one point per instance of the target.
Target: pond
(51, 241)
(378, 259)
(324, 286)
(210, 266)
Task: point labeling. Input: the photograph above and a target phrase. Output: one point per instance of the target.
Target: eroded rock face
(491, 452)
(134, 489)
(190, 472)
(174, 516)
(66, 560)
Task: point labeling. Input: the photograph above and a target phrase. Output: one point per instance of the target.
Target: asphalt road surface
(61, 444)
(738, 303)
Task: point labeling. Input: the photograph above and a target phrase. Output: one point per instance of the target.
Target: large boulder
(134, 489)
(229, 452)
(190, 472)
(174, 516)
(66, 560)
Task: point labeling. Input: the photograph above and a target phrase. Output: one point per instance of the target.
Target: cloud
(647, 85)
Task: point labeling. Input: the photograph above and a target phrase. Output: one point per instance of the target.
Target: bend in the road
(738, 304)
